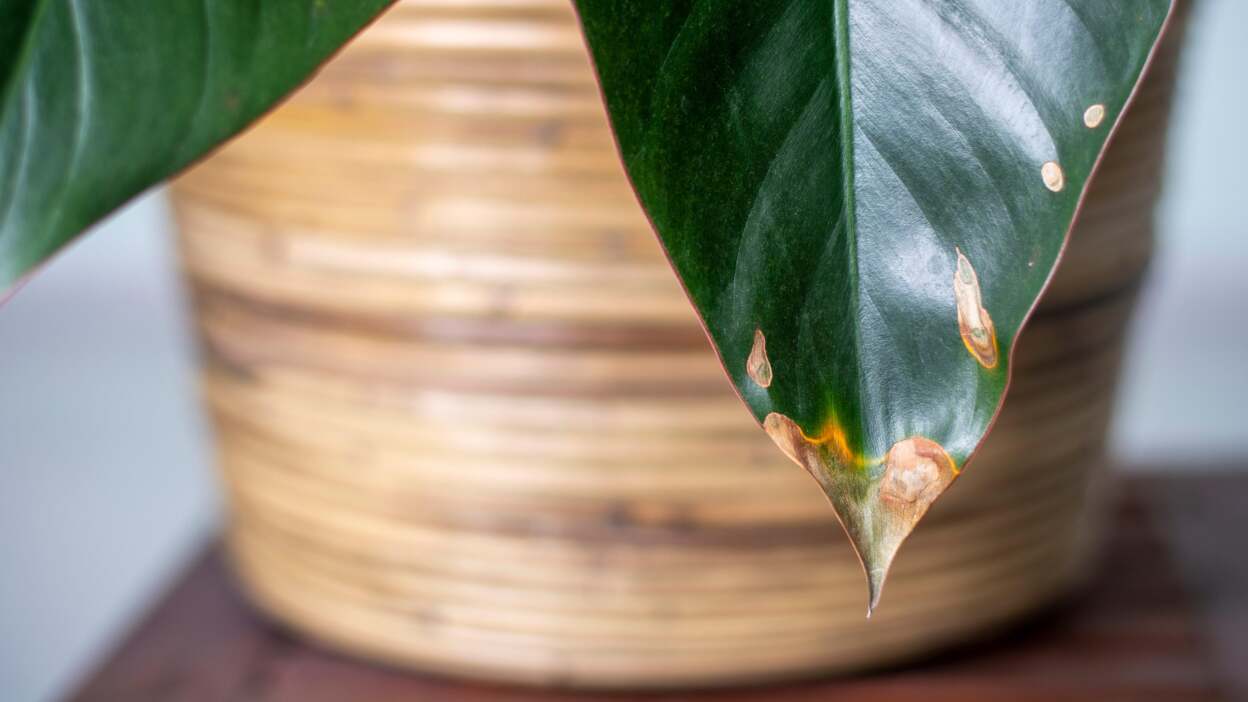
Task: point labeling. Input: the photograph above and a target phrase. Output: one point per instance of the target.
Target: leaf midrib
(845, 117)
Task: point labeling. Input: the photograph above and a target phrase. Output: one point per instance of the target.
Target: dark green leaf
(100, 99)
(830, 177)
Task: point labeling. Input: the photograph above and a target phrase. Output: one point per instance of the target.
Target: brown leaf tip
(974, 323)
(916, 471)
(758, 366)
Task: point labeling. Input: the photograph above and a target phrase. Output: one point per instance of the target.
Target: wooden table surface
(1166, 618)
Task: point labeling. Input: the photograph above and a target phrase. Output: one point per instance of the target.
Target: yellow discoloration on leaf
(804, 450)
(1093, 116)
(974, 323)
(1053, 177)
(758, 366)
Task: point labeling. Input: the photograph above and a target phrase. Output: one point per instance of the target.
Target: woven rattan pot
(468, 422)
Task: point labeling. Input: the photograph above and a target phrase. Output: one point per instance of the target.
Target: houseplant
(902, 425)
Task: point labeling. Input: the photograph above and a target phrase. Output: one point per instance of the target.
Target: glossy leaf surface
(864, 200)
(100, 99)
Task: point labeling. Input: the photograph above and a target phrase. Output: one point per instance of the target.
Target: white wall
(106, 484)
(1183, 402)
(106, 478)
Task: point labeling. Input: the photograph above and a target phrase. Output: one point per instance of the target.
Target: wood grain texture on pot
(468, 422)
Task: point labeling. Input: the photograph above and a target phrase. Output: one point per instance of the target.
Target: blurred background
(107, 481)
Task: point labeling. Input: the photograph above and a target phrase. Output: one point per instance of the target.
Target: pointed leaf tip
(875, 587)
(878, 502)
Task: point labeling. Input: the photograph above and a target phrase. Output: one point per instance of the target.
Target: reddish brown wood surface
(1165, 619)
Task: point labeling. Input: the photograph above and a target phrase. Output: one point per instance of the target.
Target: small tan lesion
(1054, 178)
(1093, 116)
(916, 471)
(758, 366)
(974, 323)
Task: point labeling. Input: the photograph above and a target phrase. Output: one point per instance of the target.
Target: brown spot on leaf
(1093, 116)
(974, 323)
(1053, 177)
(758, 366)
(916, 471)
(787, 435)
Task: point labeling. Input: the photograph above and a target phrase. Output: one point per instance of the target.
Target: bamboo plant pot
(468, 423)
